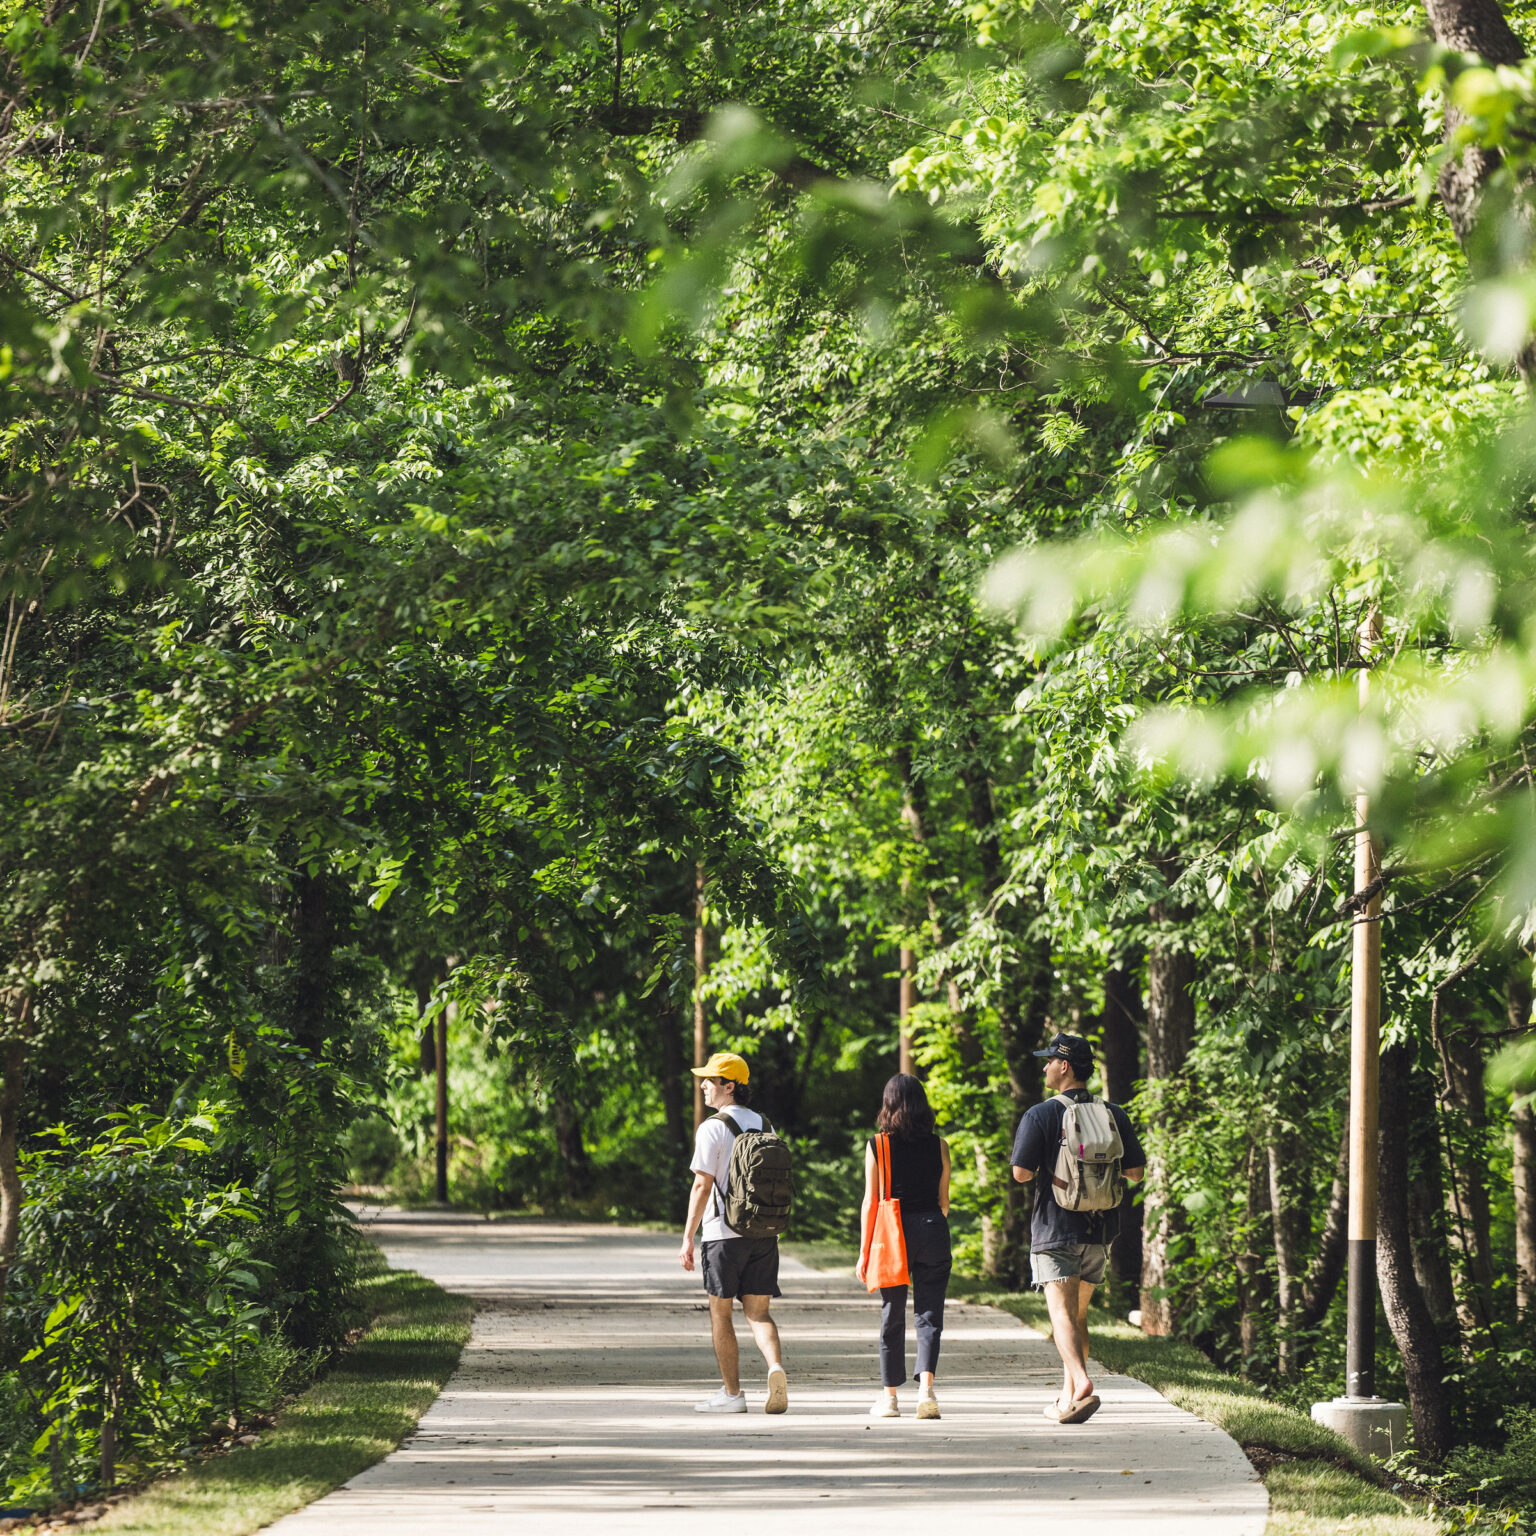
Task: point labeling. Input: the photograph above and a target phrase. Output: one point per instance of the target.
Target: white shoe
(721, 1401)
(927, 1406)
(885, 1407)
(778, 1391)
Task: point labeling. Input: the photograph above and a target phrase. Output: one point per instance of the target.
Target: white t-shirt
(712, 1155)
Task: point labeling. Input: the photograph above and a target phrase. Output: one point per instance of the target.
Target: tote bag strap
(883, 1163)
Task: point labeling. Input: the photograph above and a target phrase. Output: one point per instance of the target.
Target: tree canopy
(554, 526)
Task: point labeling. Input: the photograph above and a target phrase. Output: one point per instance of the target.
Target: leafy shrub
(137, 1290)
(1506, 1476)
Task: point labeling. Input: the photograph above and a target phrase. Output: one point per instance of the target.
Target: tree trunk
(906, 1001)
(1290, 1225)
(13, 1059)
(1327, 1267)
(1120, 1034)
(1469, 1218)
(1413, 1328)
(440, 1116)
(1480, 27)
(426, 1059)
(1525, 1208)
(1256, 1297)
(1427, 1219)
(569, 1143)
(700, 970)
(1523, 1116)
(312, 982)
(1170, 1033)
(670, 1035)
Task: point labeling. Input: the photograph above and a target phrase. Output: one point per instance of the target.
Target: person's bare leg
(722, 1327)
(1061, 1300)
(1084, 1296)
(764, 1330)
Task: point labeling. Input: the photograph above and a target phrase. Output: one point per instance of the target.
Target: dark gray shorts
(742, 1266)
(1081, 1261)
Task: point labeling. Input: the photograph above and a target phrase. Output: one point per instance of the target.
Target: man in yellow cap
(734, 1266)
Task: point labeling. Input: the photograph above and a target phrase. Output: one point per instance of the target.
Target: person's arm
(866, 1213)
(698, 1198)
(944, 1176)
(1027, 1149)
(1134, 1154)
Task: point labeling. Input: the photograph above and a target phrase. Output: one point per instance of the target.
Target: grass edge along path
(351, 1417)
(1318, 1486)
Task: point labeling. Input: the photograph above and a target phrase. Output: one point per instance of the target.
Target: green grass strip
(354, 1415)
(1318, 1485)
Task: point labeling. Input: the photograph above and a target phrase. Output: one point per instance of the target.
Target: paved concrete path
(572, 1411)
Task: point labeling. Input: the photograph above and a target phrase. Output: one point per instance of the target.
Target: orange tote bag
(887, 1243)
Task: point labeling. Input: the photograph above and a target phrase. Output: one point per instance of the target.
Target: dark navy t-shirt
(1035, 1147)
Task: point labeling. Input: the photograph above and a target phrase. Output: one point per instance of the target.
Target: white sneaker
(721, 1401)
(885, 1407)
(927, 1406)
(778, 1391)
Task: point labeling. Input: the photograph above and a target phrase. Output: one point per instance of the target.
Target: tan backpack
(1088, 1175)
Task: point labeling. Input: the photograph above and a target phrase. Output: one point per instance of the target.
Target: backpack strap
(735, 1131)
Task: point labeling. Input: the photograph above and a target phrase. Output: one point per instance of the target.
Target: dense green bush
(1501, 1476)
(141, 1309)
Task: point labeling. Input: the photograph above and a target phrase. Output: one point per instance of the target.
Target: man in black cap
(1068, 1249)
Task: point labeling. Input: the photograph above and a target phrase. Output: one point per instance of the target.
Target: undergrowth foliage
(146, 1279)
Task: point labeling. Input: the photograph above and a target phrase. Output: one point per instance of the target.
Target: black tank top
(916, 1167)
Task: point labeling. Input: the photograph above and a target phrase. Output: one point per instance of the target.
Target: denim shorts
(1082, 1261)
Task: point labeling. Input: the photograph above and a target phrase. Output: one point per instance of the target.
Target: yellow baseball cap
(723, 1064)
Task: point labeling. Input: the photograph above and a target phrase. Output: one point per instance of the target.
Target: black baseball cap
(1072, 1049)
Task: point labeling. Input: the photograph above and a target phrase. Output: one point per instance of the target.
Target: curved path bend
(572, 1411)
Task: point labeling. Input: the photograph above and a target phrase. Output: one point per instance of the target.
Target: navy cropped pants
(928, 1262)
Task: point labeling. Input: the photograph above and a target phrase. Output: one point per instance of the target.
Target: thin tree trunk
(441, 1107)
(569, 1142)
(1290, 1224)
(13, 1060)
(1256, 1297)
(1523, 1116)
(1413, 1328)
(1427, 1218)
(1120, 1032)
(1170, 1034)
(1327, 1266)
(700, 970)
(312, 985)
(1469, 1218)
(670, 1035)
(1525, 1208)
(906, 1001)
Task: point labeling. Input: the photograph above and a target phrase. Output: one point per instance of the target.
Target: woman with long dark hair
(919, 1172)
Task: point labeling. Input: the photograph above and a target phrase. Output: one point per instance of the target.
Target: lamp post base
(1375, 1427)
